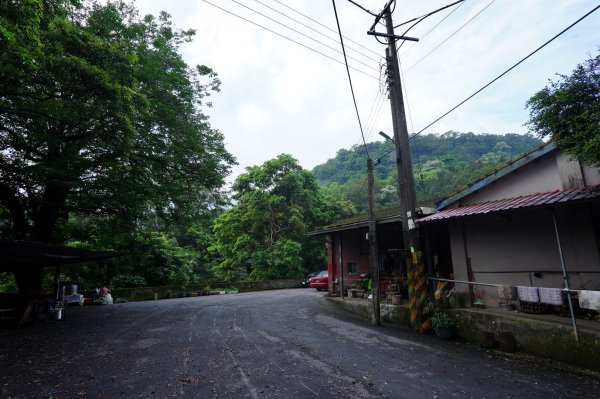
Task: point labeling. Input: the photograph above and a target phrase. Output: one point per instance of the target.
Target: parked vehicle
(320, 281)
(306, 280)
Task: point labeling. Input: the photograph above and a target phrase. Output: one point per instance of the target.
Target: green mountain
(441, 165)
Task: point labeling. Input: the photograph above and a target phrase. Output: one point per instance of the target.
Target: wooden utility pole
(406, 184)
(373, 253)
(417, 289)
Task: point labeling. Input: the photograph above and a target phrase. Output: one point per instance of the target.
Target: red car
(320, 281)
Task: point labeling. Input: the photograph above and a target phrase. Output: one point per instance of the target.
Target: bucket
(58, 314)
(396, 299)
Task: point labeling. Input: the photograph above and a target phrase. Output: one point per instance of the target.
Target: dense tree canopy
(264, 236)
(441, 164)
(568, 111)
(103, 139)
(99, 114)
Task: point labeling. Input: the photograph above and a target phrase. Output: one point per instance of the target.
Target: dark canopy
(19, 255)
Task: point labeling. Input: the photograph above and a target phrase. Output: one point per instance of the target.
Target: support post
(565, 277)
(373, 253)
(341, 267)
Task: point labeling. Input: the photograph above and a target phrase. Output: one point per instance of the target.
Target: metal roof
(524, 201)
(386, 215)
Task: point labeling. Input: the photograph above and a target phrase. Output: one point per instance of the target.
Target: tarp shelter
(19, 255)
(27, 258)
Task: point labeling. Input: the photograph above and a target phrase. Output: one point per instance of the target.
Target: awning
(579, 194)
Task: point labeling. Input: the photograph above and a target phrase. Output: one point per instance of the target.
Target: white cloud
(278, 97)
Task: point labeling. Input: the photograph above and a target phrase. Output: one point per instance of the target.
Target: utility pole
(417, 290)
(406, 184)
(373, 253)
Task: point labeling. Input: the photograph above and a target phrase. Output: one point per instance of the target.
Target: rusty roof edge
(550, 198)
(496, 174)
(353, 225)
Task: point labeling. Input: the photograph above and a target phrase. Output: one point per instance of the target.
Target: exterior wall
(569, 171)
(510, 248)
(553, 171)
(591, 176)
(355, 248)
(538, 176)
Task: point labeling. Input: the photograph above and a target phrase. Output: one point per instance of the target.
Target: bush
(127, 281)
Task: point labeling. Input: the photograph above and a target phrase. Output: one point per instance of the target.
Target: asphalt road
(277, 344)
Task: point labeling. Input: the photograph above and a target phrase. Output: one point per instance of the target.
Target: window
(351, 267)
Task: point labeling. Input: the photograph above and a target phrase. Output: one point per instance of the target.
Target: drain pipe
(341, 267)
(565, 276)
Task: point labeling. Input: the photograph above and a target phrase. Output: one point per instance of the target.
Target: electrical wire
(438, 24)
(371, 113)
(423, 17)
(302, 34)
(449, 37)
(362, 8)
(314, 30)
(505, 72)
(350, 79)
(324, 26)
(287, 38)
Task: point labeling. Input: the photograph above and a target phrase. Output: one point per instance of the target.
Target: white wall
(538, 176)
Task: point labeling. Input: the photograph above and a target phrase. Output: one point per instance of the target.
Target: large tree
(264, 236)
(100, 115)
(568, 111)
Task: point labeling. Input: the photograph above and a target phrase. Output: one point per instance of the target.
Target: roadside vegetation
(105, 145)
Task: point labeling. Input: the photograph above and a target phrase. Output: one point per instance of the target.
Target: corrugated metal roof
(525, 201)
(384, 215)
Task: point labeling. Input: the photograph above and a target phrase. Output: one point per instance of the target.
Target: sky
(278, 96)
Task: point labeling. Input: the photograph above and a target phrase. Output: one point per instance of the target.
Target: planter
(444, 332)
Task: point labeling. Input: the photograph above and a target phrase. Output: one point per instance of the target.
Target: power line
(427, 15)
(505, 72)
(324, 26)
(422, 17)
(362, 8)
(443, 19)
(300, 33)
(376, 116)
(373, 107)
(449, 37)
(313, 29)
(350, 78)
(287, 38)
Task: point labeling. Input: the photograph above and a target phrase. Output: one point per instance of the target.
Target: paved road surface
(278, 344)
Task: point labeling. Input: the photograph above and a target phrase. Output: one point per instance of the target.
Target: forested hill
(441, 163)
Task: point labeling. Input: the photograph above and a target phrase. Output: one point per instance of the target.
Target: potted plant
(443, 322)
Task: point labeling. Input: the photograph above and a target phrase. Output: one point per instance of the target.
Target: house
(348, 245)
(521, 223)
(509, 227)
